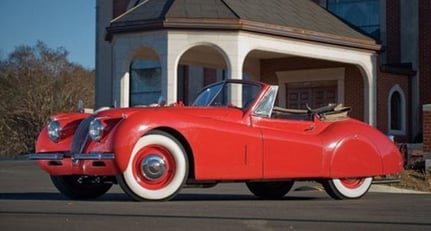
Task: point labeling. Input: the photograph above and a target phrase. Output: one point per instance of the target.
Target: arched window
(145, 82)
(396, 121)
(397, 111)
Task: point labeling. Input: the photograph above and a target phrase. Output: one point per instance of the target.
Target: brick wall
(385, 82)
(393, 37)
(427, 128)
(425, 51)
(354, 91)
(353, 83)
(120, 6)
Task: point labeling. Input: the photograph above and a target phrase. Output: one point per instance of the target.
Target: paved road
(28, 201)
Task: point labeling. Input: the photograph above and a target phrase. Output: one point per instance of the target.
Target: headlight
(96, 130)
(54, 131)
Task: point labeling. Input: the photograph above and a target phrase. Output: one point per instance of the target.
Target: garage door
(314, 94)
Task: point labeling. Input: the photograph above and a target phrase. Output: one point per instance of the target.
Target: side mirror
(81, 106)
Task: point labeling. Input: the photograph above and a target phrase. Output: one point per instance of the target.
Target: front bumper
(61, 156)
(91, 164)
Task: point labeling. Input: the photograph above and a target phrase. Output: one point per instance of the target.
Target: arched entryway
(199, 66)
(308, 81)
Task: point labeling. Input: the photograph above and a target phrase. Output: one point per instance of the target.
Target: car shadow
(231, 197)
(53, 196)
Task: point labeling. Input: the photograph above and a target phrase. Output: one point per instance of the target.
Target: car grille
(81, 136)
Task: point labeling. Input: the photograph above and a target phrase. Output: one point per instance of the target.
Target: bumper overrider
(77, 161)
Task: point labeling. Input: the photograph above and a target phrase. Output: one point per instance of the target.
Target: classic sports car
(231, 133)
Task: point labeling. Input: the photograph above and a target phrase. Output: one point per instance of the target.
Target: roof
(302, 19)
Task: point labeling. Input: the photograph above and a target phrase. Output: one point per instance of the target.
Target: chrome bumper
(78, 156)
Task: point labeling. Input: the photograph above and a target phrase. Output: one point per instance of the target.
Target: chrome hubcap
(153, 167)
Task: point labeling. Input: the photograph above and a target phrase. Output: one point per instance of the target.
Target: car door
(291, 148)
(226, 150)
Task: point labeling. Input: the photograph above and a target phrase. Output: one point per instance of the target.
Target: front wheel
(81, 187)
(270, 190)
(157, 169)
(347, 188)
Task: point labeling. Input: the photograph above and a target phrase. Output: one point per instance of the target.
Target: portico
(240, 45)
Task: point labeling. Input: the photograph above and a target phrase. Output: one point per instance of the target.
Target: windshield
(228, 94)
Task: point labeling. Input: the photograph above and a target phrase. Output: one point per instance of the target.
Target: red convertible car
(233, 132)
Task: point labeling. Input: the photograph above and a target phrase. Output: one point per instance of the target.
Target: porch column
(169, 54)
(120, 68)
(369, 70)
(236, 61)
(169, 77)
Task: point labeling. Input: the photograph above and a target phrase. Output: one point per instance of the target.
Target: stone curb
(391, 189)
(374, 188)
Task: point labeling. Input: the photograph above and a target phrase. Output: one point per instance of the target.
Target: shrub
(35, 83)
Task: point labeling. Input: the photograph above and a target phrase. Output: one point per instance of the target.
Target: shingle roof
(291, 18)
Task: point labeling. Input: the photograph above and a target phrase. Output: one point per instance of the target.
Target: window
(396, 111)
(364, 14)
(145, 82)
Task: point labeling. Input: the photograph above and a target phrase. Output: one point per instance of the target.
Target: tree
(35, 83)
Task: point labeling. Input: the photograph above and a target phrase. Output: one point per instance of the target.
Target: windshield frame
(247, 92)
(266, 105)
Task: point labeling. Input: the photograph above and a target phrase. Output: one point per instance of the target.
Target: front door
(291, 148)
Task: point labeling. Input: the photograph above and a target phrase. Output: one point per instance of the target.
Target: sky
(58, 23)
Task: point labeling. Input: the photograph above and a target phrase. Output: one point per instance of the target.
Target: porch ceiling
(267, 55)
(287, 18)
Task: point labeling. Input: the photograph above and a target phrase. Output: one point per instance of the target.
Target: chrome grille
(80, 137)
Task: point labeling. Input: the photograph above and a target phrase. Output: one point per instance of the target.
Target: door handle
(310, 128)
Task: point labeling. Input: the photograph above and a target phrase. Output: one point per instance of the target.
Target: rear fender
(354, 156)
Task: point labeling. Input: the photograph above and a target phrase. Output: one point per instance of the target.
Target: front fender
(133, 127)
(127, 134)
(69, 122)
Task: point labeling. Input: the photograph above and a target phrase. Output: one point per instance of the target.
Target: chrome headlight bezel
(95, 130)
(54, 130)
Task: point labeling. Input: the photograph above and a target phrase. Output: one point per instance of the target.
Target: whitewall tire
(157, 169)
(347, 188)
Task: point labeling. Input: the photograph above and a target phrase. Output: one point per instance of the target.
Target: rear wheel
(81, 187)
(347, 188)
(157, 169)
(270, 190)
